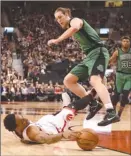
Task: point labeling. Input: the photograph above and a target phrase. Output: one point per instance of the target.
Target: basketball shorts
(95, 63)
(55, 124)
(123, 82)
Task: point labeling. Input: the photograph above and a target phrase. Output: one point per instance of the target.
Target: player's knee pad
(124, 98)
(115, 98)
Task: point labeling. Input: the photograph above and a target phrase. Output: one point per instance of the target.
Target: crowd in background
(98, 19)
(36, 30)
(122, 24)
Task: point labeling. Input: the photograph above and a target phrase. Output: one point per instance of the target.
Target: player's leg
(66, 99)
(95, 105)
(66, 113)
(96, 72)
(115, 99)
(62, 119)
(80, 72)
(125, 93)
(123, 102)
(119, 83)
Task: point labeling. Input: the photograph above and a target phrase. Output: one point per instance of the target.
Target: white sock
(108, 106)
(66, 99)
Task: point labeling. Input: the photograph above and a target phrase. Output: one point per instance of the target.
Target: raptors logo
(69, 117)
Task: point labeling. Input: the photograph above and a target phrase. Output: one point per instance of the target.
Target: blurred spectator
(50, 63)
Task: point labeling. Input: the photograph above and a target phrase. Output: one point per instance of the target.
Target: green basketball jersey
(124, 61)
(87, 38)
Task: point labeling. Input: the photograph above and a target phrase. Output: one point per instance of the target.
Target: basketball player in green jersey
(123, 73)
(92, 67)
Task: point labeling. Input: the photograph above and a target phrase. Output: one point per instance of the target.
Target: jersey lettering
(126, 64)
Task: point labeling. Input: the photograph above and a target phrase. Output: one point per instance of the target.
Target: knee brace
(124, 99)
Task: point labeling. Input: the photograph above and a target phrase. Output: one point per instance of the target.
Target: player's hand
(71, 135)
(52, 41)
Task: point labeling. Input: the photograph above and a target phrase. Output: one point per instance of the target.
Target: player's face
(21, 124)
(125, 43)
(62, 19)
(18, 125)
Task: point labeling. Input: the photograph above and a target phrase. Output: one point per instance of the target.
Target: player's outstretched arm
(75, 26)
(68, 33)
(38, 136)
(113, 58)
(48, 139)
(41, 137)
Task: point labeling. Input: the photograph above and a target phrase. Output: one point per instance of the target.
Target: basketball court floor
(114, 140)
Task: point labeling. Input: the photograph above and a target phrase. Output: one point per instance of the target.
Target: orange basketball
(88, 140)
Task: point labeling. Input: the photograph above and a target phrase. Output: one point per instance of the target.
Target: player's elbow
(75, 29)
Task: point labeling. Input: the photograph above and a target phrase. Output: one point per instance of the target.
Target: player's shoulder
(32, 128)
(76, 19)
(76, 23)
(32, 131)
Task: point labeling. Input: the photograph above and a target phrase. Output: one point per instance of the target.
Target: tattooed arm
(38, 136)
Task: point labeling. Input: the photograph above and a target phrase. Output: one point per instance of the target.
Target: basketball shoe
(110, 117)
(94, 107)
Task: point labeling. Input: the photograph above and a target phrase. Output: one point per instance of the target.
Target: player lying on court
(48, 129)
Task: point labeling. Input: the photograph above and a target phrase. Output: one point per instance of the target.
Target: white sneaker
(66, 99)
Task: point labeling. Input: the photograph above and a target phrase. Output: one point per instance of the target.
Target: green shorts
(95, 63)
(123, 82)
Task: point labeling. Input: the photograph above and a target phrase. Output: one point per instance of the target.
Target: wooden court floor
(117, 142)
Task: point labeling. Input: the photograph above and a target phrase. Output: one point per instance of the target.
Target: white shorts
(55, 124)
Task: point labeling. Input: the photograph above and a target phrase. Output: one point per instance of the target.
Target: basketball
(88, 139)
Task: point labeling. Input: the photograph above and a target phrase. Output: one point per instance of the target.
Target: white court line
(92, 123)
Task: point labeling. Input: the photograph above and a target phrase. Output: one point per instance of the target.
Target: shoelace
(106, 115)
(91, 108)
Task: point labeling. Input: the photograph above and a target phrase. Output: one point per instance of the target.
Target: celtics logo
(100, 68)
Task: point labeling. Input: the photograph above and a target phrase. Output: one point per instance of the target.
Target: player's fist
(71, 135)
(52, 41)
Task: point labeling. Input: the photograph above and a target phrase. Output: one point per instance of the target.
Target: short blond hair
(64, 10)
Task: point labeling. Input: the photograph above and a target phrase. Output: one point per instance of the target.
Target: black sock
(93, 102)
(82, 103)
